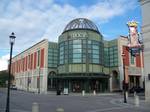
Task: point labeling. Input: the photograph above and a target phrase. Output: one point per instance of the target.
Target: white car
(13, 87)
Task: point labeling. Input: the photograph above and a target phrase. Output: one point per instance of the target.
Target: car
(136, 89)
(13, 87)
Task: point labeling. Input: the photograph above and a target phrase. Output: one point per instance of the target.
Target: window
(89, 41)
(77, 50)
(76, 46)
(95, 47)
(132, 59)
(95, 56)
(95, 51)
(76, 60)
(61, 62)
(38, 58)
(76, 41)
(95, 43)
(77, 55)
(95, 61)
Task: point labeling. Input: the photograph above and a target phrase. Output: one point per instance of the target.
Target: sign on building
(135, 39)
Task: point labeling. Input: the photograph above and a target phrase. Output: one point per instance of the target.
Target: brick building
(81, 60)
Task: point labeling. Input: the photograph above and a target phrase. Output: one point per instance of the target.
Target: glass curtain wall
(111, 56)
(76, 51)
(52, 57)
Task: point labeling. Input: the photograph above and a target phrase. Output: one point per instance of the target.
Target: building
(145, 7)
(81, 60)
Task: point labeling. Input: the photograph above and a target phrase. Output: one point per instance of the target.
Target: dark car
(136, 89)
(13, 87)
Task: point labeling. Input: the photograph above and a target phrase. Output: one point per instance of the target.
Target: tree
(4, 78)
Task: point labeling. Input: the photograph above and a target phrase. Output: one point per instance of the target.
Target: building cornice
(30, 47)
(144, 1)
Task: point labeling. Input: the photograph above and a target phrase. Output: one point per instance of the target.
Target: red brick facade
(28, 62)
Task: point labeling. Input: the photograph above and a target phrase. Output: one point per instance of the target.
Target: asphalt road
(21, 101)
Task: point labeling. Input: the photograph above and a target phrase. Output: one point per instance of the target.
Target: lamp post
(12, 41)
(39, 80)
(124, 85)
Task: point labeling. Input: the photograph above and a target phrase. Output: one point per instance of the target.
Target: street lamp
(39, 80)
(12, 41)
(124, 81)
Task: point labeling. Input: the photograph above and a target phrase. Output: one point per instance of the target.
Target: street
(21, 101)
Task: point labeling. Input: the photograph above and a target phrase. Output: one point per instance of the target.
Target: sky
(34, 20)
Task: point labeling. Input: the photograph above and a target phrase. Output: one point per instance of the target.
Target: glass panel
(66, 43)
(70, 42)
(77, 46)
(84, 55)
(132, 59)
(95, 56)
(77, 55)
(61, 48)
(76, 41)
(76, 60)
(95, 47)
(89, 46)
(84, 41)
(61, 62)
(61, 53)
(84, 46)
(84, 50)
(89, 41)
(83, 60)
(77, 50)
(95, 43)
(89, 51)
(111, 49)
(95, 51)
(95, 60)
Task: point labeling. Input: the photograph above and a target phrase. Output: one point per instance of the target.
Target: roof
(81, 23)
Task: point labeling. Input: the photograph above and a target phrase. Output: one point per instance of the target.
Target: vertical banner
(134, 38)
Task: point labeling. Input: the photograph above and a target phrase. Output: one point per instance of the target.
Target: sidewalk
(131, 102)
(86, 94)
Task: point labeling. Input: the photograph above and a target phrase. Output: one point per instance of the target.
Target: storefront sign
(76, 35)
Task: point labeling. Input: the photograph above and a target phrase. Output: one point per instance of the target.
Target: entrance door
(76, 86)
(99, 85)
(115, 81)
(134, 81)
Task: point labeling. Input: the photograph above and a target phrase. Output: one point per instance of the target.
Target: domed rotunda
(81, 57)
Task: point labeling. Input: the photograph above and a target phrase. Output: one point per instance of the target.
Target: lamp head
(12, 38)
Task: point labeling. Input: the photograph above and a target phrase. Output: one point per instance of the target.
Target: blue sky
(33, 20)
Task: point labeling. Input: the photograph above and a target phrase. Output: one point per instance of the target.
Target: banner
(135, 43)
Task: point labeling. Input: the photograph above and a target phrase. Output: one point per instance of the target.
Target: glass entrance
(77, 86)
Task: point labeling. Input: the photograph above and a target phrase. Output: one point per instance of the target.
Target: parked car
(136, 89)
(13, 87)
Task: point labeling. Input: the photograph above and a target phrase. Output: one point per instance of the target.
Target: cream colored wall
(145, 6)
(22, 77)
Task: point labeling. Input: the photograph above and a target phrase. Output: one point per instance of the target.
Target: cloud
(4, 62)
(32, 21)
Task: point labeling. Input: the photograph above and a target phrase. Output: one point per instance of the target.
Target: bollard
(136, 100)
(127, 95)
(134, 93)
(59, 110)
(83, 92)
(94, 92)
(35, 107)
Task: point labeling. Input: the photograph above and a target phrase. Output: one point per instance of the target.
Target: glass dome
(81, 23)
